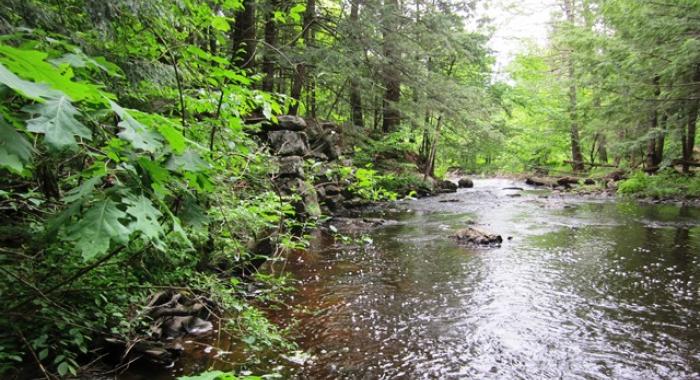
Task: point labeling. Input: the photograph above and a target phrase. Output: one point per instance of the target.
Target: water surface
(584, 289)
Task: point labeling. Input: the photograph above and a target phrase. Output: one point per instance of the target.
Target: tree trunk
(355, 95)
(244, 35)
(300, 73)
(268, 66)
(297, 84)
(310, 41)
(576, 156)
(652, 160)
(602, 148)
(430, 164)
(660, 140)
(688, 137)
(392, 82)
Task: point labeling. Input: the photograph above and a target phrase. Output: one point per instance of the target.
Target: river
(585, 288)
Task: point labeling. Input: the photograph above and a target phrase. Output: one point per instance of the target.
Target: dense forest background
(131, 159)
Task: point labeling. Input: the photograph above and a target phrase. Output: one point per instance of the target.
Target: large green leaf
(31, 64)
(78, 59)
(136, 133)
(189, 161)
(57, 121)
(28, 89)
(158, 176)
(145, 219)
(174, 137)
(99, 226)
(15, 150)
(85, 189)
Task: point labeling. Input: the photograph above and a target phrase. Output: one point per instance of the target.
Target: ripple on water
(585, 290)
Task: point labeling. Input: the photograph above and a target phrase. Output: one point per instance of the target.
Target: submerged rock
(475, 236)
(355, 225)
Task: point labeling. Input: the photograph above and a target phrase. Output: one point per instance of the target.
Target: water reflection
(585, 290)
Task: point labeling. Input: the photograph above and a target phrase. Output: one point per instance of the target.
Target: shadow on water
(586, 288)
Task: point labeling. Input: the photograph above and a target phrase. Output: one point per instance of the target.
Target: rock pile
(294, 141)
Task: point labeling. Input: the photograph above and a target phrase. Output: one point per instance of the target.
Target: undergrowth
(665, 184)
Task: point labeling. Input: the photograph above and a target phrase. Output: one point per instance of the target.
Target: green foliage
(15, 150)
(99, 226)
(666, 184)
(56, 120)
(117, 180)
(623, 72)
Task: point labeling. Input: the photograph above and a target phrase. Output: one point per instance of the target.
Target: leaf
(173, 136)
(98, 227)
(193, 214)
(179, 232)
(70, 59)
(136, 133)
(31, 64)
(85, 189)
(80, 60)
(157, 174)
(188, 161)
(146, 219)
(58, 123)
(220, 23)
(15, 150)
(63, 369)
(26, 88)
(296, 11)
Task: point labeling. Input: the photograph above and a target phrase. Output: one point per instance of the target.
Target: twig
(31, 350)
(74, 277)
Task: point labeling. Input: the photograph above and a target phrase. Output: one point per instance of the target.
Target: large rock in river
(476, 236)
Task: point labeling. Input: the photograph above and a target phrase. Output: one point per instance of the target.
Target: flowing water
(585, 289)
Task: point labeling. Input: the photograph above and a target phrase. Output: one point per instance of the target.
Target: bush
(665, 184)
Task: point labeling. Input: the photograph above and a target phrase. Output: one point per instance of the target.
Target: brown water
(586, 289)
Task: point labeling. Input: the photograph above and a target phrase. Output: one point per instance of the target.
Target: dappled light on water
(586, 288)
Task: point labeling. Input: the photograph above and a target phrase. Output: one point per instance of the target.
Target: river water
(585, 289)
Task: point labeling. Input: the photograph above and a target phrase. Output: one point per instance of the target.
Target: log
(538, 181)
(593, 165)
(683, 162)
